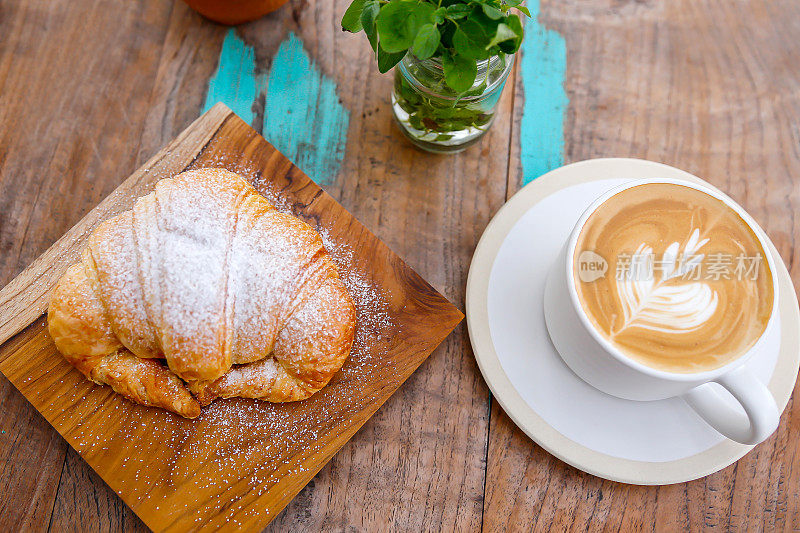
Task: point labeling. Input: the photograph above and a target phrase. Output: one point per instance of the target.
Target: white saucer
(647, 443)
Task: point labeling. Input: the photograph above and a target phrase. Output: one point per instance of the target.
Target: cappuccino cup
(664, 288)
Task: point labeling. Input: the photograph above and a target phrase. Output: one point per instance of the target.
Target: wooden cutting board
(241, 461)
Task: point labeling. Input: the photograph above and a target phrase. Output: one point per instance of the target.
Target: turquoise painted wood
(303, 116)
(543, 69)
(235, 82)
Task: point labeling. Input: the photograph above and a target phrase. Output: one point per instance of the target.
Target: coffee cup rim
(616, 352)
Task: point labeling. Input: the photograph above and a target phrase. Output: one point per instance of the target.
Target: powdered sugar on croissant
(205, 273)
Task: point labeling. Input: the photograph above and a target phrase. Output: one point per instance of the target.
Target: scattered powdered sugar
(268, 190)
(246, 441)
(193, 229)
(266, 263)
(258, 441)
(371, 301)
(372, 305)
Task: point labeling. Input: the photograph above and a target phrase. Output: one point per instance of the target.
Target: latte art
(666, 300)
(663, 306)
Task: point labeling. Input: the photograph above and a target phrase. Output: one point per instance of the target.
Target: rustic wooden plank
(594, 128)
(397, 191)
(80, 509)
(242, 461)
(419, 463)
(31, 455)
(72, 103)
(26, 297)
(184, 65)
(167, 114)
(706, 86)
(189, 54)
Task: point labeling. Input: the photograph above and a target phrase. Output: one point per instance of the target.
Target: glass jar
(436, 118)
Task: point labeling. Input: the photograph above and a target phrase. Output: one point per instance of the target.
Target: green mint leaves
(459, 71)
(399, 22)
(351, 21)
(427, 41)
(459, 32)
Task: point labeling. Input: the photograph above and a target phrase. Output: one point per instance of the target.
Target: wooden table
(90, 89)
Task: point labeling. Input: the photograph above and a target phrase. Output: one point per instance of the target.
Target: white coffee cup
(598, 362)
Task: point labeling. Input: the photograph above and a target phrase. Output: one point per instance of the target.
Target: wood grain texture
(419, 463)
(26, 297)
(64, 84)
(32, 455)
(241, 461)
(430, 437)
(79, 509)
(710, 86)
(706, 86)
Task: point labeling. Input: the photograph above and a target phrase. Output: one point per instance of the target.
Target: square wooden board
(241, 461)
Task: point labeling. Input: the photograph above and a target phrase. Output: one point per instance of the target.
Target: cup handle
(759, 405)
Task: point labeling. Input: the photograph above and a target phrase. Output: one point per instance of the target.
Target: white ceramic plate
(649, 443)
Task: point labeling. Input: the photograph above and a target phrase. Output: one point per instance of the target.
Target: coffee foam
(666, 300)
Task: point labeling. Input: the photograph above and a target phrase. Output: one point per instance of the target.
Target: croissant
(205, 275)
